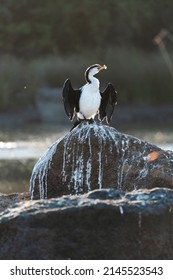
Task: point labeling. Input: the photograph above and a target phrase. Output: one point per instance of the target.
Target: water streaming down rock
(95, 156)
(40, 172)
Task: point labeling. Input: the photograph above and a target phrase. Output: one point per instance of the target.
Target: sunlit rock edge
(143, 201)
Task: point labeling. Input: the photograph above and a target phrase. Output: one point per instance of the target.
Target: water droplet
(121, 210)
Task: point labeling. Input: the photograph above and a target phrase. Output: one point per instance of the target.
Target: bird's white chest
(89, 102)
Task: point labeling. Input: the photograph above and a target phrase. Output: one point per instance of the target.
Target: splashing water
(40, 172)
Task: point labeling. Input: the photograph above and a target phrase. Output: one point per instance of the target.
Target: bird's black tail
(78, 121)
(76, 124)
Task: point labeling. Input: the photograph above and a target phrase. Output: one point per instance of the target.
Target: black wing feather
(108, 102)
(70, 99)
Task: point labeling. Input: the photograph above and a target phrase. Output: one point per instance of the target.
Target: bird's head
(93, 70)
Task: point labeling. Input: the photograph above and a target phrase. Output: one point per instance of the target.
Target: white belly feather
(89, 102)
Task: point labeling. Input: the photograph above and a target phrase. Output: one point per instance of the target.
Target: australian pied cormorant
(89, 101)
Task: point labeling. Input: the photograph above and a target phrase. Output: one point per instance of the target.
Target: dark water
(21, 147)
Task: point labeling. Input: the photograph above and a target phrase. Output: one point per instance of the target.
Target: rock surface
(7, 200)
(102, 224)
(96, 156)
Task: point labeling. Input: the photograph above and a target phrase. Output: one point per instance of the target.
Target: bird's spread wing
(108, 102)
(70, 99)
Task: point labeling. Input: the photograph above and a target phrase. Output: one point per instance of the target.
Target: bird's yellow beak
(104, 67)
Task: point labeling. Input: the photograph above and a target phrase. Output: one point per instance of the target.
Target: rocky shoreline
(96, 194)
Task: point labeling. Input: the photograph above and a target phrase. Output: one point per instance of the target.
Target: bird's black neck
(88, 80)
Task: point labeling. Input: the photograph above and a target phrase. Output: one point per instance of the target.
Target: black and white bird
(88, 101)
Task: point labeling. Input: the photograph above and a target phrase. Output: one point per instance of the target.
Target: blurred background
(44, 42)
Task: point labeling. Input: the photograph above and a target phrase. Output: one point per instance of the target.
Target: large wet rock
(96, 156)
(102, 224)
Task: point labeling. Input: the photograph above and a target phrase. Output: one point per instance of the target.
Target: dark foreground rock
(95, 156)
(103, 224)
